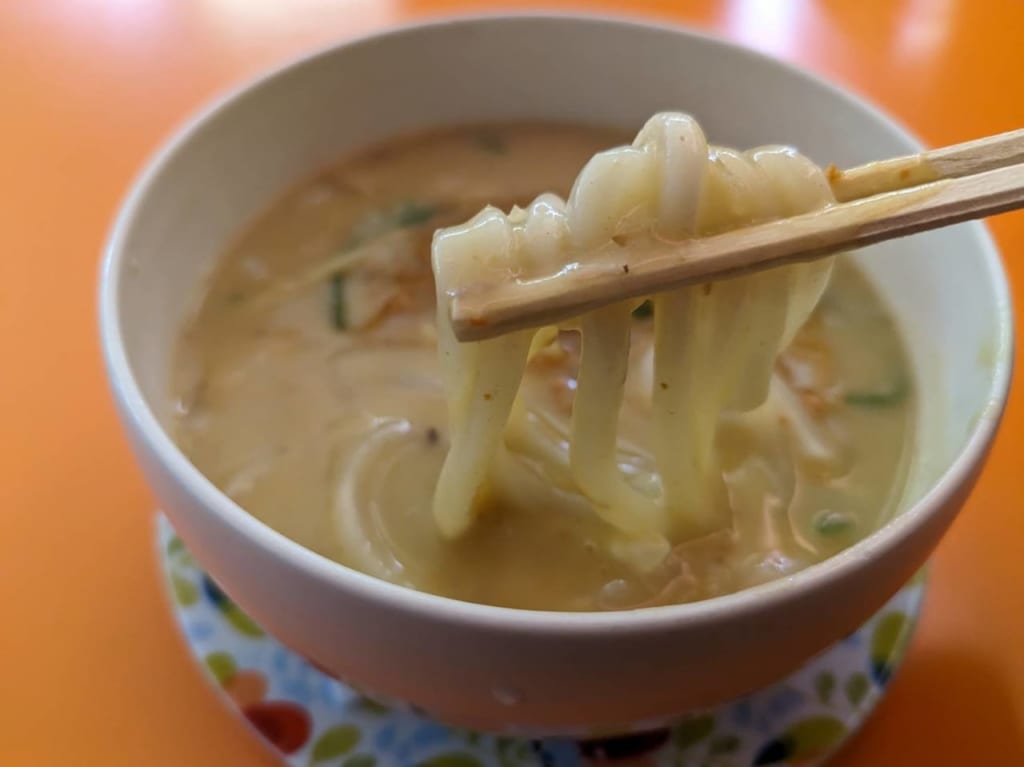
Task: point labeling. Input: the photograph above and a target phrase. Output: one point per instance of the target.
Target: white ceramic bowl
(494, 668)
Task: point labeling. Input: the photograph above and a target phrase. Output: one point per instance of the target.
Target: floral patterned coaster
(312, 720)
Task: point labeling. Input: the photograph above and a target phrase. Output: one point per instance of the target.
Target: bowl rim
(140, 418)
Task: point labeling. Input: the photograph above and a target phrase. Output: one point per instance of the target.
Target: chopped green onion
(337, 302)
(645, 310)
(401, 216)
(834, 524)
(353, 242)
(412, 214)
(491, 142)
(882, 398)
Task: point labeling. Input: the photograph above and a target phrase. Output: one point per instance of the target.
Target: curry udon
(310, 391)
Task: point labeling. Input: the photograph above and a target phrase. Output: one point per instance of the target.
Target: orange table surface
(92, 669)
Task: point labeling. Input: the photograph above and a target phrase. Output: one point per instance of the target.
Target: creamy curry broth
(308, 390)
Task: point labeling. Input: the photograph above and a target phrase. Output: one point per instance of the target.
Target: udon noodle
(714, 347)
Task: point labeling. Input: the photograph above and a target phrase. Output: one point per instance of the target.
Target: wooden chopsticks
(878, 201)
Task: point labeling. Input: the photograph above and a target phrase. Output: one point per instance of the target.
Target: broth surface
(308, 390)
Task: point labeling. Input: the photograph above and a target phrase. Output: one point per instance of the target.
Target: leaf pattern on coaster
(185, 592)
(221, 666)
(692, 731)
(824, 686)
(334, 742)
(887, 642)
(857, 687)
(360, 760)
(452, 759)
(810, 738)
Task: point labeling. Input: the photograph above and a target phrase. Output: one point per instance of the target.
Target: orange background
(92, 669)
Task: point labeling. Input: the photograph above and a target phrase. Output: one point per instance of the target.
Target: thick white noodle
(481, 380)
(714, 345)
